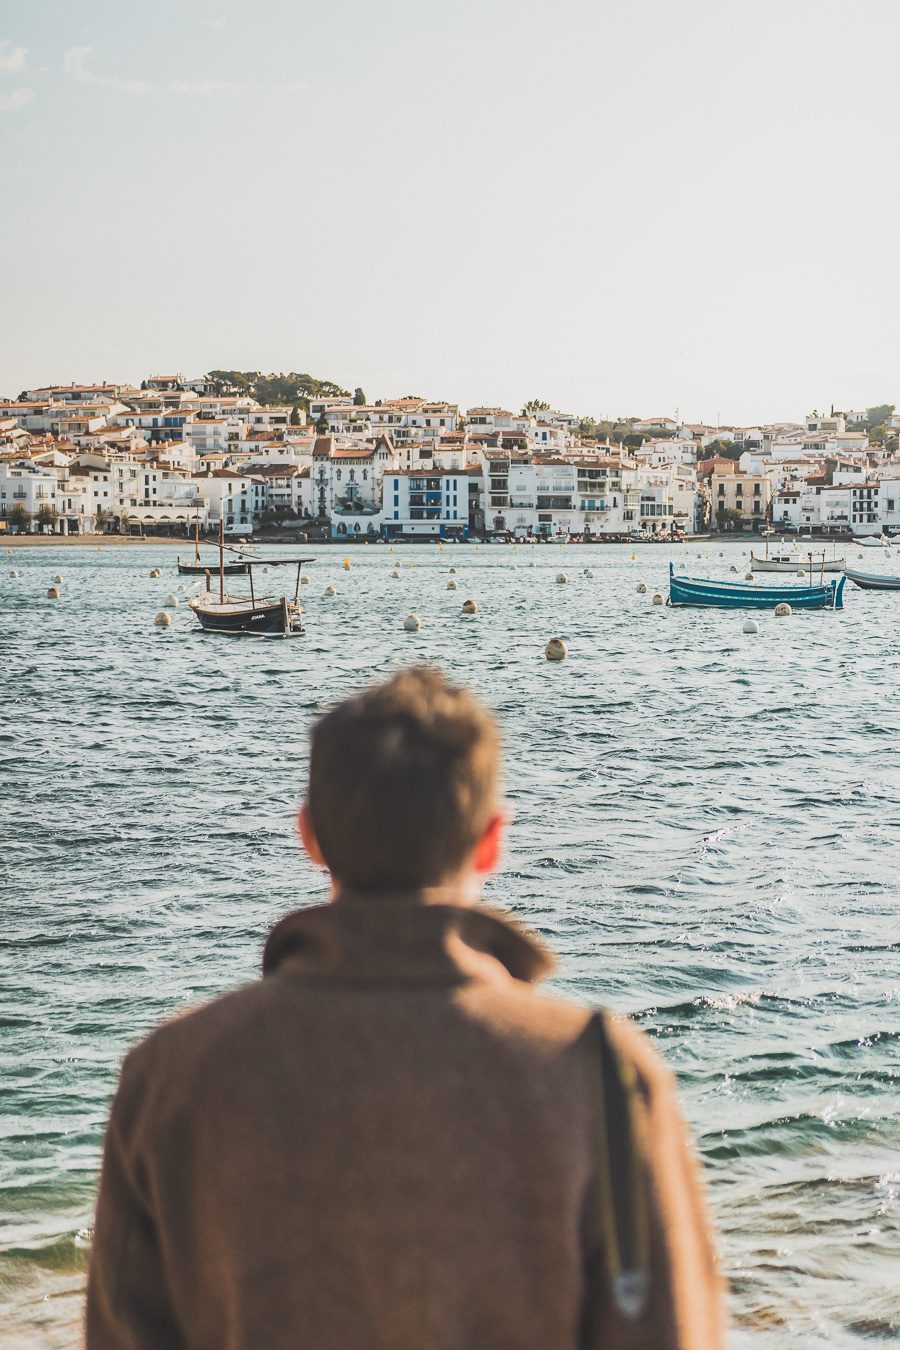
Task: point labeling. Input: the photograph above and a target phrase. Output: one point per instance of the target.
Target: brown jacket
(391, 1142)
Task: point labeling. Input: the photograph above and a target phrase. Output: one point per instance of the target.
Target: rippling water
(706, 827)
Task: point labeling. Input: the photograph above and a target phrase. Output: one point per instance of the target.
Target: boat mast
(222, 557)
(197, 535)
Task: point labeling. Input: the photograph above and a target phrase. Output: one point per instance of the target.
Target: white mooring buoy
(658, 600)
(156, 572)
(469, 607)
(561, 578)
(329, 590)
(556, 650)
(171, 602)
(53, 593)
(641, 588)
(452, 585)
(412, 623)
(751, 626)
(783, 610)
(163, 620)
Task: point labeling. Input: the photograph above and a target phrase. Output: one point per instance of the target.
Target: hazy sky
(623, 208)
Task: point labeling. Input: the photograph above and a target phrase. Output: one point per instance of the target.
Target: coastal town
(175, 455)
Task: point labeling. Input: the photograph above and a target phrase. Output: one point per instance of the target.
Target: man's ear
(308, 836)
(486, 857)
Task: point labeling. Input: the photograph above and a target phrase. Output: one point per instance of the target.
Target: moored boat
(235, 614)
(785, 562)
(198, 567)
(739, 595)
(872, 581)
(812, 561)
(223, 613)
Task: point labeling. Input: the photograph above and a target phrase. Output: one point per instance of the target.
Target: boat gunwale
(753, 588)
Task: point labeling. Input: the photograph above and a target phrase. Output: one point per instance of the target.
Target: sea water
(705, 826)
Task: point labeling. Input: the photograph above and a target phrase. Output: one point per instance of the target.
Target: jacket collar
(413, 937)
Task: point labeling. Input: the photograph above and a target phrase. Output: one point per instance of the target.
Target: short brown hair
(403, 780)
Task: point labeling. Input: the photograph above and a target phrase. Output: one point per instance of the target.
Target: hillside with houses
(263, 453)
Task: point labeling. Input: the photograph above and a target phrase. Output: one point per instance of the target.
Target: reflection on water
(705, 827)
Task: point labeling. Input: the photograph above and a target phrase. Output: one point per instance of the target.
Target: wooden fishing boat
(793, 562)
(197, 568)
(223, 613)
(784, 562)
(738, 595)
(872, 581)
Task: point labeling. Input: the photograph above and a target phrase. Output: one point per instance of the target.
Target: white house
(346, 480)
(26, 485)
(235, 498)
(834, 508)
(213, 435)
(655, 424)
(431, 503)
(865, 508)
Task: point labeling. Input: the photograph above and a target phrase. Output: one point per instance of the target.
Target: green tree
(359, 398)
(877, 416)
(46, 515)
(535, 405)
(20, 518)
(322, 425)
(729, 518)
(277, 515)
(293, 387)
(721, 450)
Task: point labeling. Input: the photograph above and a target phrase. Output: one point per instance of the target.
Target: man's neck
(463, 889)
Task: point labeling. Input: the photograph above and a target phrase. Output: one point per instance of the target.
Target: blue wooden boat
(736, 595)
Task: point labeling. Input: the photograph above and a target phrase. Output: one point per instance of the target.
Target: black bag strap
(621, 1177)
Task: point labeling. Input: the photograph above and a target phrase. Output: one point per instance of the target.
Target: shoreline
(14, 541)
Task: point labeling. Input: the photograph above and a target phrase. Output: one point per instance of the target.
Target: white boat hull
(796, 564)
